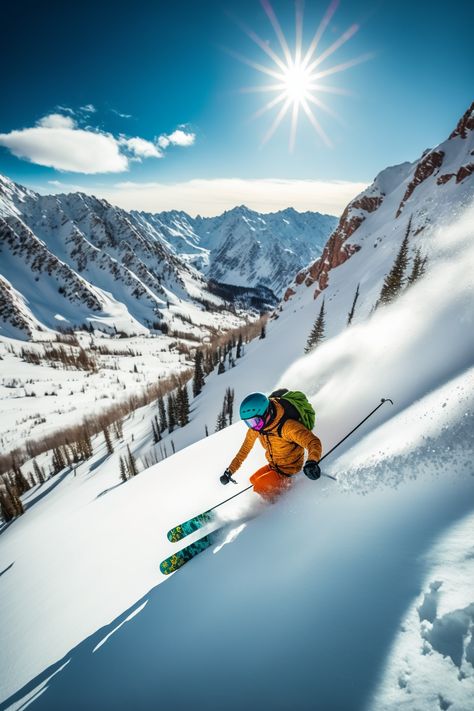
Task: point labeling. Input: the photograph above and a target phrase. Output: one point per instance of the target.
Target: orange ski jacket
(285, 452)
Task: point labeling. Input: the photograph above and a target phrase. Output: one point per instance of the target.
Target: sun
(296, 82)
(296, 75)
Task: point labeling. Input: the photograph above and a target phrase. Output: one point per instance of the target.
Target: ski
(178, 559)
(190, 526)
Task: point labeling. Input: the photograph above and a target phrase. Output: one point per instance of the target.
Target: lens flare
(296, 74)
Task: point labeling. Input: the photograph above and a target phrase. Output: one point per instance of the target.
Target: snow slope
(348, 595)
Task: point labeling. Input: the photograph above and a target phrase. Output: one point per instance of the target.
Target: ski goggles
(255, 423)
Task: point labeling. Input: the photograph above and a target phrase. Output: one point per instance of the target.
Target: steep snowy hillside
(244, 247)
(411, 198)
(74, 260)
(355, 594)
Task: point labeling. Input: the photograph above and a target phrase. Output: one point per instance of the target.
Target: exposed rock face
(466, 123)
(426, 167)
(289, 293)
(336, 250)
(463, 172)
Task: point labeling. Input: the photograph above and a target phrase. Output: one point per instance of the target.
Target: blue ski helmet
(253, 405)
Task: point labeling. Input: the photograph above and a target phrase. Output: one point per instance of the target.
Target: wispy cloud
(57, 141)
(88, 109)
(125, 116)
(212, 197)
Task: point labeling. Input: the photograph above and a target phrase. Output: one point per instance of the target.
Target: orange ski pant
(268, 483)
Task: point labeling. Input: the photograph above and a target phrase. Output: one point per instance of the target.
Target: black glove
(226, 477)
(312, 470)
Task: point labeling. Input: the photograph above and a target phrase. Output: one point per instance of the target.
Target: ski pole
(383, 400)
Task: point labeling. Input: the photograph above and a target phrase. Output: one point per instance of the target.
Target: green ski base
(190, 526)
(177, 560)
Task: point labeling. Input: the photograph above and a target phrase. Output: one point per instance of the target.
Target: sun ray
(260, 43)
(268, 106)
(276, 26)
(294, 123)
(343, 67)
(299, 31)
(279, 118)
(296, 74)
(320, 104)
(330, 89)
(259, 67)
(330, 50)
(260, 88)
(320, 31)
(315, 123)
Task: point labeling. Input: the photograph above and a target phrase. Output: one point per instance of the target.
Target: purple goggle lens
(255, 423)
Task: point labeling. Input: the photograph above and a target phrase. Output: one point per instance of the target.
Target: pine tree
(206, 431)
(221, 368)
(317, 333)
(395, 279)
(182, 402)
(39, 474)
(132, 465)
(350, 315)
(171, 413)
(155, 428)
(418, 268)
(229, 404)
(263, 332)
(7, 506)
(11, 501)
(108, 441)
(22, 484)
(221, 420)
(239, 347)
(57, 461)
(162, 414)
(123, 470)
(198, 379)
(118, 429)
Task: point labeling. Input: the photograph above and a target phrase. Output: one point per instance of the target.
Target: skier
(284, 440)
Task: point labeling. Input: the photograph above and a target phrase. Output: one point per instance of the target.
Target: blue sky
(83, 79)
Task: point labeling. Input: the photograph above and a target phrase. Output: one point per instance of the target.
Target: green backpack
(296, 407)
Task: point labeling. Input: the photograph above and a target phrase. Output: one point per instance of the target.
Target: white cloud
(88, 109)
(58, 142)
(177, 138)
(212, 197)
(141, 148)
(57, 121)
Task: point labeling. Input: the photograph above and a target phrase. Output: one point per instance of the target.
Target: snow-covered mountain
(70, 260)
(416, 196)
(74, 260)
(244, 247)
